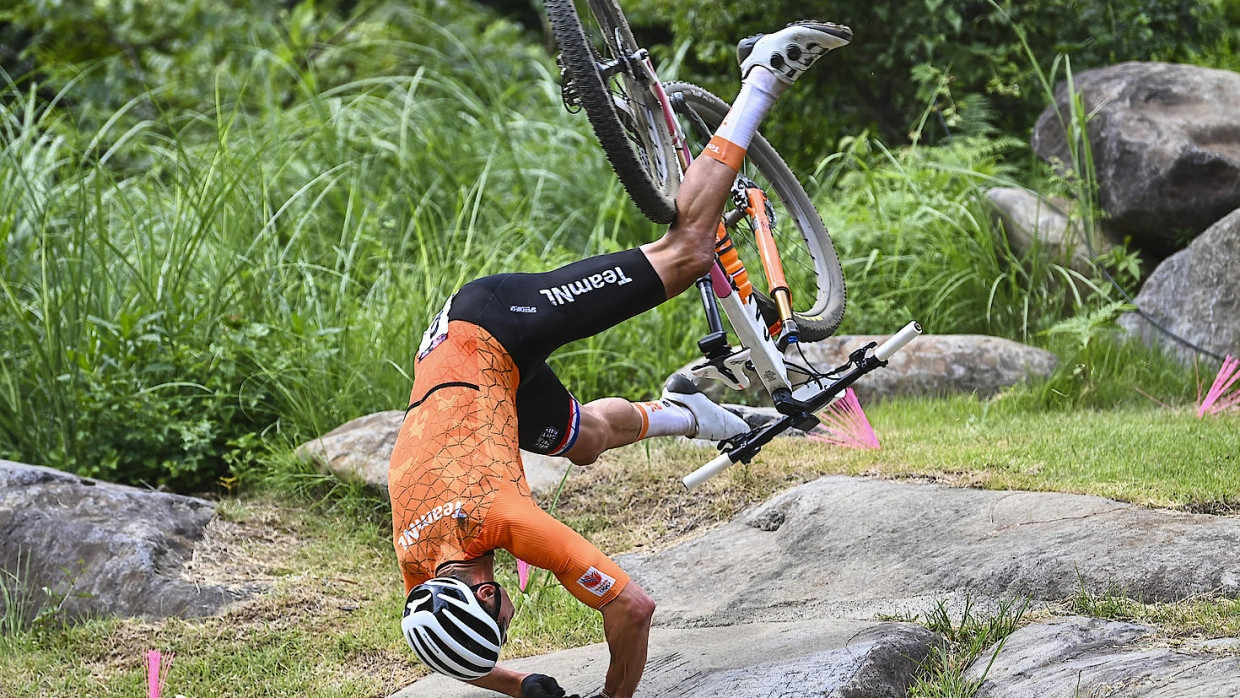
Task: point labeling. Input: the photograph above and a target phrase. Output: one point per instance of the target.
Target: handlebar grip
(897, 341)
(706, 472)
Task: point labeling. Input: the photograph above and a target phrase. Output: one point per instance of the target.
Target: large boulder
(1195, 295)
(359, 451)
(930, 365)
(1166, 147)
(98, 548)
(1049, 227)
(867, 546)
(789, 598)
(1077, 656)
(808, 658)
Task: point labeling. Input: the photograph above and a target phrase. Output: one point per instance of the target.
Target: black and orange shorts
(532, 315)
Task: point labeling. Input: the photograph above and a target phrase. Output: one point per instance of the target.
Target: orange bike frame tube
(731, 262)
(767, 248)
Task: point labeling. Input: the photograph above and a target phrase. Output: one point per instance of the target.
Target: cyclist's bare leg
(607, 423)
(687, 250)
(769, 64)
(681, 411)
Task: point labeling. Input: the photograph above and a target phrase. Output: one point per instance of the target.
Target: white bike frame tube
(747, 323)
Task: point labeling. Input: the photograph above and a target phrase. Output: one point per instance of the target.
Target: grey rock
(1195, 294)
(869, 546)
(782, 601)
(930, 365)
(359, 450)
(1166, 146)
(100, 549)
(1077, 656)
(846, 659)
(1034, 223)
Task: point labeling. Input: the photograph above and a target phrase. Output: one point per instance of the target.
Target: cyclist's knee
(585, 452)
(699, 254)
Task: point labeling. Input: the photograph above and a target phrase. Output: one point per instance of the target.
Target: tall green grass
(919, 239)
(174, 290)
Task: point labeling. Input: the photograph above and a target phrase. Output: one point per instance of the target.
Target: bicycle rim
(597, 51)
(810, 263)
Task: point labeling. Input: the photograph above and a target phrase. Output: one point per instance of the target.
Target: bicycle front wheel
(603, 65)
(810, 263)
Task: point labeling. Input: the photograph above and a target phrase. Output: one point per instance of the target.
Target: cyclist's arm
(535, 536)
(501, 680)
(626, 624)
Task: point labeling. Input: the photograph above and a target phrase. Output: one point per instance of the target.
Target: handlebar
(897, 341)
(742, 448)
(706, 472)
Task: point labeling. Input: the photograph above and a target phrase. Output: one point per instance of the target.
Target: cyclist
(482, 390)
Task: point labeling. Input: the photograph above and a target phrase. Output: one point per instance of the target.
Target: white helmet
(449, 630)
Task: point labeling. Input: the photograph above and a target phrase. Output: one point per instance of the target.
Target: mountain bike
(649, 131)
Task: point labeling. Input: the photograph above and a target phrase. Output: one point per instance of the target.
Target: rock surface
(359, 450)
(1166, 145)
(870, 545)
(1031, 222)
(1195, 294)
(785, 600)
(931, 365)
(101, 549)
(1078, 656)
(807, 658)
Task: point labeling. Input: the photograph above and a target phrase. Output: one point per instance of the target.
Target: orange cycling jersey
(456, 481)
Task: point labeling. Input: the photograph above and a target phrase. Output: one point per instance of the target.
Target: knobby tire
(631, 149)
(823, 317)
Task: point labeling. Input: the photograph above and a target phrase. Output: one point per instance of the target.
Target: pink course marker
(845, 424)
(156, 672)
(523, 574)
(1217, 398)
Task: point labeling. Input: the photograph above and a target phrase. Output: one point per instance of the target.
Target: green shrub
(959, 59)
(179, 293)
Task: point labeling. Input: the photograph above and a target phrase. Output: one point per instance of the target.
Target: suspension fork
(756, 205)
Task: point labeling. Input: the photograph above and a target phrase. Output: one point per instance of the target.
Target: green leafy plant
(967, 639)
(932, 69)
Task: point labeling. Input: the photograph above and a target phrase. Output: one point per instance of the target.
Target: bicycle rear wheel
(602, 62)
(808, 255)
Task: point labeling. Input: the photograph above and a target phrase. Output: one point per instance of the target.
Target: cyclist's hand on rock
(541, 686)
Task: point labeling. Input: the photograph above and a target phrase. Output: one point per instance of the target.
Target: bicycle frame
(759, 347)
(728, 287)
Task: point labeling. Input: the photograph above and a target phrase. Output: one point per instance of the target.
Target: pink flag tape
(844, 424)
(1217, 398)
(156, 672)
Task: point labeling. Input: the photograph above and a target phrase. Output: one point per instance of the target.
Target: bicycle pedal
(730, 370)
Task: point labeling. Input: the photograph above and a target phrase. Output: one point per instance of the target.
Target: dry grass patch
(320, 618)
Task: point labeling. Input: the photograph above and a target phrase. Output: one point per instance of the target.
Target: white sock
(758, 93)
(665, 418)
